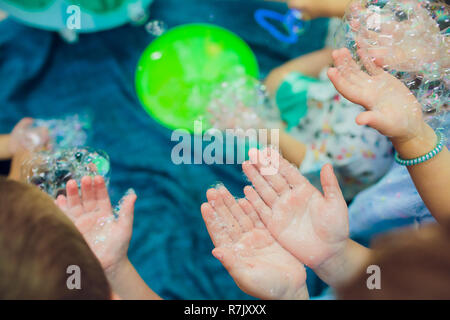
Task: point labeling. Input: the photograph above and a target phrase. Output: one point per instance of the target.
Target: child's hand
(311, 226)
(258, 264)
(23, 137)
(391, 108)
(18, 163)
(92, 213)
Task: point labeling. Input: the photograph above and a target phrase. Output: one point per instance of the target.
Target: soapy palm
(107, 236)
(312, 227)
(258, 264)
(391, 108)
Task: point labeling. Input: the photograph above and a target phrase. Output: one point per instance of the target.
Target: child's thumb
(225, 256)
(126, 211)
(330, 184)
(374, 120)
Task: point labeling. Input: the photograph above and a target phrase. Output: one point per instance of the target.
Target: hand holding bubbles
(27, 136)
(107, 230)
(51, 170)
(407, 38)
(391, 108)
(57, 155)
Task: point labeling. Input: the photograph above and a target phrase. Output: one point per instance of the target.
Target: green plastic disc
(179, 70)
(102, 165)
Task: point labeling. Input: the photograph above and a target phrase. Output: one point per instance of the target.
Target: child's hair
(37, 245)
(414, 264)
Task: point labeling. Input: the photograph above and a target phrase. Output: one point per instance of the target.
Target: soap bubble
(68, 132)
(156, 27)
(408, 38)
(51, 170)
(242, 103)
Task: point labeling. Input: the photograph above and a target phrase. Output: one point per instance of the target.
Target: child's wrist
(114, 271)
(420, 144)
(340, 267)
(301, 294)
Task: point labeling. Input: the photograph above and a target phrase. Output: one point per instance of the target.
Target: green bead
(102, 165)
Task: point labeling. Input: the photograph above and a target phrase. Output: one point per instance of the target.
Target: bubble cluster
(408, 38)
(156, 27)
(68, 132)
(51, 170)
(242, 103)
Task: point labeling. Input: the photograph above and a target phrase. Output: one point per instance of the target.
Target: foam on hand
(408, 38)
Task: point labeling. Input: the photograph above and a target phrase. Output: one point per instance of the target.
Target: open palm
(258, 264)
(107, 236)
(311, 226)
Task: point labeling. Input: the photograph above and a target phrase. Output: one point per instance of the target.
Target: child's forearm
(339, 269)
(5, 152)
(431, 178)
(334, 8)
(310, 65)
(128, 284)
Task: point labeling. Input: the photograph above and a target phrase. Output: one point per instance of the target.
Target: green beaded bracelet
(430, 155)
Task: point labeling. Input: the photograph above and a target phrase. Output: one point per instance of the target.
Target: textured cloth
(43, 77)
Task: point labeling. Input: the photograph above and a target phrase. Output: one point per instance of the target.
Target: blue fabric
(43, 77)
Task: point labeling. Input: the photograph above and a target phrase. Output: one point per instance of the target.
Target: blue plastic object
(292, 21)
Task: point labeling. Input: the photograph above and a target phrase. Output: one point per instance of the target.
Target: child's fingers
(215, 226)
(232, 226)
(369, 63)
(73, 198)
(264, 212)
(291, 173)
(24, 123)
(269, 158)
(348, 68)
(346, 59)
(88, 194)
(101, 193)
(237, 212)
(261, 185)
(343, 86)
(330, 184)
(61, 202)
(251, 213)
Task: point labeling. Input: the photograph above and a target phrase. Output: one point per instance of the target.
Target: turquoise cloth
(292, 98)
